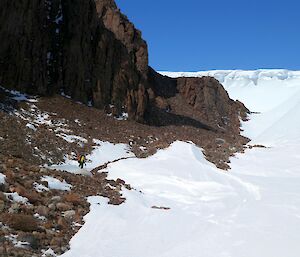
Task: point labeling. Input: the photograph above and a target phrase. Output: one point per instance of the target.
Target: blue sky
(193, 35)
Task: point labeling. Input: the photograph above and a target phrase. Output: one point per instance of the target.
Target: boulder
(62, 223)
(69, 214)
(42, 210)
(74, 199)
(63, 206)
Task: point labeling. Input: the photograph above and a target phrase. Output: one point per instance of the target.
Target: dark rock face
(209, 98)
(199, 102)
(53, 46)
(23, 49)
(89, 50)
(125, 31)
(205, 94)
(161, 85)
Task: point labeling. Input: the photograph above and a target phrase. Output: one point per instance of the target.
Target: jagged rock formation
(89, 50)
(124, 31)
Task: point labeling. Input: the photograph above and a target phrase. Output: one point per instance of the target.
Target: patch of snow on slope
(16, 242)
(48, 253)
(73, 138)
(39, 187)
(54, 183)
(103, 153)
(18, 96)
(2, 178)
(107, 152)
(15, 197)
(29, 125)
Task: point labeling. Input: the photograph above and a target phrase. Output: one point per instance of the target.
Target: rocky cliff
(84, 48)
(89, 50)
(200, 102)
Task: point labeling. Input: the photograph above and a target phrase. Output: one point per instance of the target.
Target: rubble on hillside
(36, 216)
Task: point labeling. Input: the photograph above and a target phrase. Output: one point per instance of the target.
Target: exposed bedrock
(89, 50)
(53, 46)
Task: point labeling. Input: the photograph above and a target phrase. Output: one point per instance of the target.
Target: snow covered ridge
(259, 90)
(236, 75)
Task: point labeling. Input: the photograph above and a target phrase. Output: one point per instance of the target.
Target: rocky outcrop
(89, 50)
(125, 31)
(209, 98)
(77, 47)
(200, 99)
(206, 94)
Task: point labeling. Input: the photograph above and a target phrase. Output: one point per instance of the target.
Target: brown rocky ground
(61, 116)
(50, 218)
(33, 133)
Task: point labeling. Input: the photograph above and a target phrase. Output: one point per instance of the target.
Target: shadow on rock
(160, 117)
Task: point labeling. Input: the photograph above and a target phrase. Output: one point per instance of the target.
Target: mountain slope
(184, 206)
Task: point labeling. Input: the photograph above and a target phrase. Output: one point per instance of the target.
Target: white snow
(123, 116)
(39, 217)
(49, 252)
(107, 152)
(103, 152)
(2, 178)
(78, 122)
(16, 242)
(39, 187)
(251, 211)
(18, 96)
(15, 197)
(72, 138)
(31, 126)
(54, 183)
(36, 117)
